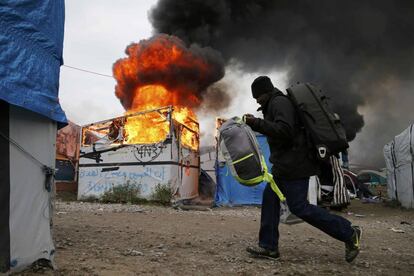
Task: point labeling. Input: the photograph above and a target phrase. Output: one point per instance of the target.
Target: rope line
(22, 149)
(87, 71)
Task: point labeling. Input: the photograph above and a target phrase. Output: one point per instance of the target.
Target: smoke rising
(216, 97)
(349, 48)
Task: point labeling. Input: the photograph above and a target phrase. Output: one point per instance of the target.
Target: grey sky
(96, 34)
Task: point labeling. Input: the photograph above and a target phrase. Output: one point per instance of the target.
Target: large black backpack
(322, 125)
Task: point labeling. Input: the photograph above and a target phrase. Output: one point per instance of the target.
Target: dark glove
(249, 119)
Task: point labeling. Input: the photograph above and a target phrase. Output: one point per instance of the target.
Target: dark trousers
(296, 192)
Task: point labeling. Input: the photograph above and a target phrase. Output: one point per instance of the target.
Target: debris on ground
(157, 240)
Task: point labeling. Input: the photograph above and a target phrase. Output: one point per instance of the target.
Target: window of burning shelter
(106, 132)
(141, 128)
(188, 134)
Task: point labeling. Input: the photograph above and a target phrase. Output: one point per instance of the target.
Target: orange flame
(153, 127)
(161, 72)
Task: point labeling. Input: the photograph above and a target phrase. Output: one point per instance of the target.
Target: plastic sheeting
(30, 202)
(399, 158)
(68, 141)
(31, 44)
(229, 192)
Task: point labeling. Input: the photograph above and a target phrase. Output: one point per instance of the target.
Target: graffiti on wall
(148, 153)
(94, 181)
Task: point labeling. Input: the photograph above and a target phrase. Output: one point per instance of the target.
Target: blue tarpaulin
(31, 45)
(229, 192)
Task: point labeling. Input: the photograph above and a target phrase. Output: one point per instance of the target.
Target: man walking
(293, 164)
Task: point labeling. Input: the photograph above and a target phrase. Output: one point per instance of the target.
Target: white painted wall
(166, 164)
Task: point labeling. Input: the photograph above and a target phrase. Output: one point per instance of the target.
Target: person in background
(293, 164)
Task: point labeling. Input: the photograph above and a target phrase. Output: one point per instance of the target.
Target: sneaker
(354, 245)
(260, 252)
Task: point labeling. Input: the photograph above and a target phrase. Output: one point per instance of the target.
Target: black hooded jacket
(289, 151)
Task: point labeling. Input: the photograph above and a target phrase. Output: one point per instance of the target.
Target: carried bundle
(240, 149)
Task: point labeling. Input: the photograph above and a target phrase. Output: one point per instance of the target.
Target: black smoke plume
(349, 48)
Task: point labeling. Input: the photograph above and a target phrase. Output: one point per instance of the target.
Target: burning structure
(142, 149)
(160, 83)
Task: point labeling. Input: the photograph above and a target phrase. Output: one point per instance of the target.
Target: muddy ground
(100, 239)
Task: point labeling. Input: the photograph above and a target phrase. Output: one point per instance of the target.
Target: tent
(374, 182)
(31, 43)
(372, 177)
(399, 159)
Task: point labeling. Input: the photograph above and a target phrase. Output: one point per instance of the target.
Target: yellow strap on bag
(243, 158)
(275, 188)
(268, 177)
